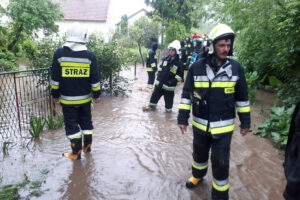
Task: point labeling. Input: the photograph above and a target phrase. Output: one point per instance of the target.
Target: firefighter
(151, 65)
(75, 81)
(184, 55)
(215, 87)
(169, 73)
(189, 47)
(292, 158)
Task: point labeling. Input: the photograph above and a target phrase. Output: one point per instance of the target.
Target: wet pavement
(141, 155)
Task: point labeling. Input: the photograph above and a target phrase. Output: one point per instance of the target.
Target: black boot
(87, 143)
(76, 145)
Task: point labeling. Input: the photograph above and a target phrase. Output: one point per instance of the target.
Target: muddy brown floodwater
(142, 155)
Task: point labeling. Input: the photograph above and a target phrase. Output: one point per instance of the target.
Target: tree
(124, 25)
(267, 39)
(143, 32)
(186, 12)
(175, 31)
(3, 31)
(30, 16)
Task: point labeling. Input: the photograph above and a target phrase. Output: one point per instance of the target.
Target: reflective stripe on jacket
(151, 63)
(214, 98)
(75, 76)
(169, 73)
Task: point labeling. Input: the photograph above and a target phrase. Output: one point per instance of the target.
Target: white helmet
(76, 33)
(218, 32)
(76, 36)
(175, 45)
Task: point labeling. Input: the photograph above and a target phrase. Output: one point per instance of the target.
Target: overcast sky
(125, 7)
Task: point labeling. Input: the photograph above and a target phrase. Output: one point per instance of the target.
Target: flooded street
(141, 155)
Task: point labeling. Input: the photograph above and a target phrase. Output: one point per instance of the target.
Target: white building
(98, 15)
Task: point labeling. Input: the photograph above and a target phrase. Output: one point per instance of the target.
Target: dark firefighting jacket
(292, 157)
(189, 47)
(214, 98)
(184, 56)
(169, 73)
(151, 61)
(75, 76)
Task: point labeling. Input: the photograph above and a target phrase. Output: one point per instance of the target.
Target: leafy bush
(8, 61)
(40, 53)
(277, 125)
(133, 53)
(111, 59)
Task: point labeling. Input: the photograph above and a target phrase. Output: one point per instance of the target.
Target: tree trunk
(18, 35)
(140, 50)
(162, 32)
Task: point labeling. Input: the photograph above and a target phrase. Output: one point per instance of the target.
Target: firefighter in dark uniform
(215, 87)
(189, 47)
(169, 73)
(151, 65)
(75, 81)
(292, 158)
(184, 55)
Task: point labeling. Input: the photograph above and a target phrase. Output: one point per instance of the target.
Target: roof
(85, 10)
(134, 14)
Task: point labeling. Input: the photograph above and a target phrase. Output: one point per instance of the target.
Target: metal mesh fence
(22, 94)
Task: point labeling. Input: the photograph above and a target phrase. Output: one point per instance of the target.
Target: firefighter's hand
(182, 128)
(97, 100)
(55, 100)
(244, 131)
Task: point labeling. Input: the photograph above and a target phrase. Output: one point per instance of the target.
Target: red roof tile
(94, 10)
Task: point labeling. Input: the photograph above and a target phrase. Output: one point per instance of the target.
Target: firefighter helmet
(76, 36)
(76, 33)
(219, 32)
(175, 45)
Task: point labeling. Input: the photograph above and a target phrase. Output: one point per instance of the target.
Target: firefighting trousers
(76, 118)
(151, 77)
(168, 96)
(220, 153)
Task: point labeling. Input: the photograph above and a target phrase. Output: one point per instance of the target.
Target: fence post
(135, 67)
(17, 102)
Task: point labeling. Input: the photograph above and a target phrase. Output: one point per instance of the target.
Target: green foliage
(143, 32)
(268, 39)
(111, 58)
(36, 126)
(40, 53)
(253, 84)
(124, 25)
(9, 192)
(277, 125)
(133, 53)
(5, 147)
(27, 17)
(8, 61)
(175, 31)
(54, 123)
(60, 121)
(186, 12)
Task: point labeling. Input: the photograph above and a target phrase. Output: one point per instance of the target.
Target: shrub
(8, 61)
(111, 59)
(277, 125)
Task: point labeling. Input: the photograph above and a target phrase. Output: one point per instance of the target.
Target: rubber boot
(87, 143)
(192, 182)
(148, 108)
(76, 145)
